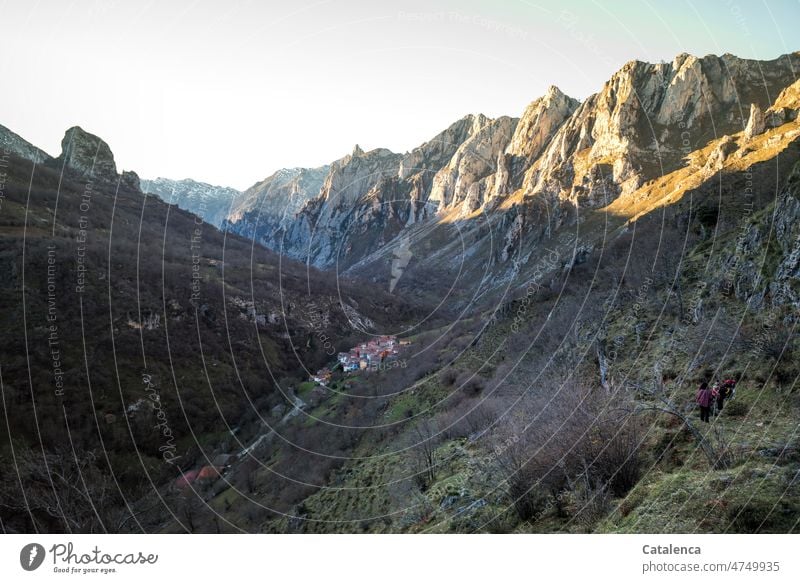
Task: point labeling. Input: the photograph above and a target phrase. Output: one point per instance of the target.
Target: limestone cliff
(468, 178)
(269, 206)
(647, 118)
(560, 159)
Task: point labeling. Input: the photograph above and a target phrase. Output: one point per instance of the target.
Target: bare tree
(426, 438)
(573, 458)
(61, 491)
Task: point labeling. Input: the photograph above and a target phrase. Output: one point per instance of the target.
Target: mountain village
(378, 353)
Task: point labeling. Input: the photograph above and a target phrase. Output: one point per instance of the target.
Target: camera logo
(31, 556)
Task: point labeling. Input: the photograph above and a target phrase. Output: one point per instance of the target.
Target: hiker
(726, 392)
(703, 399)
(715, 392)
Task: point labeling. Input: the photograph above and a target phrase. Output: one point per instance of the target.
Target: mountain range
(561, 156)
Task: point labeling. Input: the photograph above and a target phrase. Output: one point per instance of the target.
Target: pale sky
(229, 91)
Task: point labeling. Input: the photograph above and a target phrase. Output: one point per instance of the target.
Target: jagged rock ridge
(12, 143)
(538, 172)
(269, 206)
(211, 203)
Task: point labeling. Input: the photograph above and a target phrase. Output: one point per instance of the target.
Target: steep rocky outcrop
(87, 155)
(434, 154)
(14, 144)
(785, 107)
(540, 120)
(89, 158)
(468, 178)
(719, 154)
(130, 179)
(211, 203)
(756, 124)
(421, 166)
(785, 285)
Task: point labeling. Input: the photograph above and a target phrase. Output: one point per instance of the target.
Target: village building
(322, 376)
(370, 355)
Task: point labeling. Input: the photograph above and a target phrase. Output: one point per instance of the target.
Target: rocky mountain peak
(682, 59)
(431, 156)
(357, 151)
(540, 120)
(554, 92)
(87, 155)
(209, 202)
(479, 121)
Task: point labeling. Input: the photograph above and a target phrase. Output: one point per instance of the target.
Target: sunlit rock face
(560, 154)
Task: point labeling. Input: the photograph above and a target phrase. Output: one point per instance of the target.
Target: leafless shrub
(448, 376)
(582, 439)
(588, 501)
(467, 419)
(426, 439)
(65, 491)
(471, 383)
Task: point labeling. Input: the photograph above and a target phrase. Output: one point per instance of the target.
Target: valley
(556, 286)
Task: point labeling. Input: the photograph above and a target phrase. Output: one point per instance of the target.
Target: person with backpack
(703, 399)
(726, 392)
